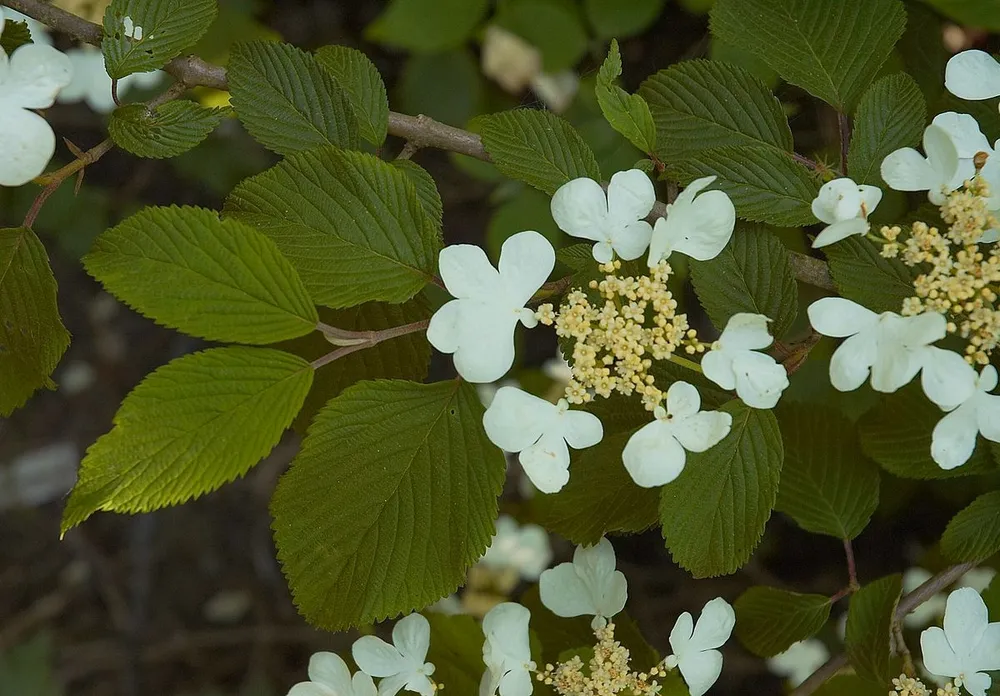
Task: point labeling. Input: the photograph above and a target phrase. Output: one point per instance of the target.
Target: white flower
(889, 347)
(699, 226)
(29, 79)
(939, 173)
(973, 75)
(965, 134)
(507, 652)
(400, 665)
(695, 646)
(733, 363)
(655, 455)
(800, 660)
(589, 585)
(525, 548)
(478, 326)
(517, 421)
(968, 646)
(844, 206)
(91, 83)
(614, 220)
(329, 676)
(972, 410)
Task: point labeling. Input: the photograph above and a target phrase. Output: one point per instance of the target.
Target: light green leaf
(769, 620)
(828, 486)
(714, 513)
(427, 26)
(891, 115)
(191, 426)
(161, 30)
(219, 280)
(869, 624)
(456, 651)
(165, 131)
(862, 274)
(984, 14)
(700, 104)
(14, 35)
(805, 40)
(974, 533)
(627, 113)
(32, 336)
(426, 189)
(538, 148)
(359, 77)
(390, 500)
(287, 100)
(554, 27)
(613, 18)
(351, 224)
(751, 274)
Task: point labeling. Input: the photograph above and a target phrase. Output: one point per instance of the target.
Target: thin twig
(852, 568)
(410, 148)
(367, 339)
(54, 180)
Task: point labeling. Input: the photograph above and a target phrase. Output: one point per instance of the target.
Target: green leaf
(769, 620)
(869, 625)
(538, 148)
(700, 104)
(805, 40)
(527, 209)
(426, 26)
(891, 115)
(390, 500)
(554, 27)
(426, 189)
(287, 100)
(974, 533)
(191, 426)
(30, 668)
(765, 184)
(359, 77)
(456, 651)
(862, 274)
(922, 50)
(166, 131)
(14, 35)
(219, 280)
(828, 486)
(32, 336)
(447, 87)
(984, 14)
(161, 30)
(752, 274)
(613, 18)
(714, 513)
(627, 113)
(351, 224)
(850, 685)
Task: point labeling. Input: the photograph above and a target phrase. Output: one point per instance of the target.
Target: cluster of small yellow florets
(618, 333)
(608, 674)
(909, 686)
(962, 281)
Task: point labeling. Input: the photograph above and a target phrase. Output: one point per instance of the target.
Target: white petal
(988, 379)
(652, 456)
(376, 658)
(632, 241)
(709, 224)
(704, 430)
(942, 156)
(581, 429)
(546, 463)
(363, 685)
(986, 656)
(445, 329)
(839, 318)
(580, 209)
(665, 236)
(953, 439)
(683, 400)
(693, 189)
(946, 378)
(603, 252)
(331, 671)
(680, 634)
(939, 657)
(977, 683)
(920, 330)
(760, 380)
(419, 683)
(516, 419)
(851, 362)
(506, 625)
(840, 230)
(613, 596)
(871, 196)
(310, 689)
(26, 145)
(745, 331)
(895, 367)
(517, 682)
(717, 365)
(526, 260)
(965, 620)
(908, 170)
(608, 586)
(701, 670)
(964, 132)
(393, 684)
(564, 593)
(837, 200)
(988, 416)
(486, 345)
(412, 637)
(630, 197)
(714, 626)
(36, 74)
(467, 273)
(973, 75)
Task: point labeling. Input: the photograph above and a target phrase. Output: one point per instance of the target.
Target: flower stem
(684, 362)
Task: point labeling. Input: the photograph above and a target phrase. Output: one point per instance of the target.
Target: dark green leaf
(862, 274)
(166, 131)
(615, 19)
(769, 620)
(456, 651)
(554, 27)
(891, 115)
(974, 533)
(869, 625)
(627, 113)
(984, 14)
(922, 49)
(161, 30)
(359, 77)
(447, 87)
(426, 189)
(427, 26)
(15, 35)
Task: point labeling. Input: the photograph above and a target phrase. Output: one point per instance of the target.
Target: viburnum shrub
(700, 418)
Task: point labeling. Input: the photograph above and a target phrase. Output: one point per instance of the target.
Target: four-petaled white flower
(699, 226)
(799, 661)
(400, 665)
(478, 326)
(939, 173)
(973, 75)
(733, 362)
(953, 384)
(507, 652)
(615, 220)
(967, 647)
(525, 548)
(29, 79)
(696, 646)
(970, 143)
(890, 348)
(655, 454)
(589, 585)
(540, 431)
(329, 676)
(844, 206)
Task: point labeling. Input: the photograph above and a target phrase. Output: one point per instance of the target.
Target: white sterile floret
(799, 661)
(655, 454)
(29, 79)
(478, 326)
(965, 134)
(329, 676)
(696, 646)
(540, 431)
(844, 206)
(400, 665)
(889, 347)
(939, 173)
(972, 409)
(614, 220)
(525, 548)
(733, 362)
(973, 75)
(92, 84)
(699, 226)
(507, 651)
(589, 585)
(967, 647)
